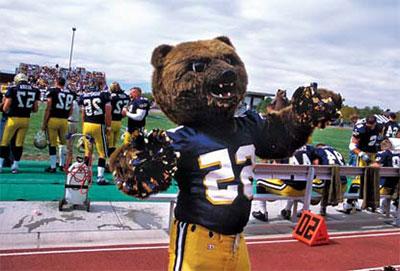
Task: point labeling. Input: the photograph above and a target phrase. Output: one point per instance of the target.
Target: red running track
(345, 251)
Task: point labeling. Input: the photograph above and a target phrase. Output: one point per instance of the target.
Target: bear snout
(228, 76)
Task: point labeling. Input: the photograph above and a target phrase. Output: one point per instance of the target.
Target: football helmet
(115, 87)
(20, 77)
(40, 140)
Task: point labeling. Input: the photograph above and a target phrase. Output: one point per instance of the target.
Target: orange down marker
(311, 229)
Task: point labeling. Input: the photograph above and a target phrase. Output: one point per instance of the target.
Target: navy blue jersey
(61, 102)
(213, 173)
(327, 155)
(140, 103)
(23, 97)
(93, 104)
(368, 139)
(391, 128)
(303, 156)
(388, 158)
(118, 101)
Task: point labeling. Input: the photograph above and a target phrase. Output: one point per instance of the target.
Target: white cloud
(348, 46)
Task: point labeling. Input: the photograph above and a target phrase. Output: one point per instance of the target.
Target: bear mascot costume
(211, 154)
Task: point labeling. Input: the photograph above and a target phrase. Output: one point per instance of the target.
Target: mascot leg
(188, 241)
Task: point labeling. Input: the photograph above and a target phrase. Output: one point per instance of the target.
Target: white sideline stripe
(375, 268)
(80, 251)
(331, 237)
(165, 246)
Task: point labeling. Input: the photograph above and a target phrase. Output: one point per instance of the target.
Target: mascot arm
(146, 166)
(288, 129)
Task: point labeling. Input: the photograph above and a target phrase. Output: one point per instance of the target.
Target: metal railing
(296, 173)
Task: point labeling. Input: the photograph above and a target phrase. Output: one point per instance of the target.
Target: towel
(369, 188)
(332, 192)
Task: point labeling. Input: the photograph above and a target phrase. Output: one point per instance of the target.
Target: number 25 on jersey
(224, 174)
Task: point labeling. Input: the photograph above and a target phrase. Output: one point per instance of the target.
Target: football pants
(128, 136)
(193, 247)
(96, 131)
(280, 187)
(15, 126)
(113, 136)
(355, 183)
(57, 128)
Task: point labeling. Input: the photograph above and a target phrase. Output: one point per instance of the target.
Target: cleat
(14, 171)
(101, 181)
(347, 208)
(286, 214)
(260, 216)
(50, 170)
(299, 213)
(61, 168)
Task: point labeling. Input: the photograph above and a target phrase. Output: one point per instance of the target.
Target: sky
(349, 46)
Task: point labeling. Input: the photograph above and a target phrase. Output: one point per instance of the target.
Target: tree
(262, 106)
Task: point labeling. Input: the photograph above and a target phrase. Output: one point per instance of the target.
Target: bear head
(198, 82)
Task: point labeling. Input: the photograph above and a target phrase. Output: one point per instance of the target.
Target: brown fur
(280, 101)
(182, 94)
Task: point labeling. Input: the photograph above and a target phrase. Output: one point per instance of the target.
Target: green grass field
(336, 137)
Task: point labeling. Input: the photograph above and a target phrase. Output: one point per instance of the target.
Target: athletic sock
(100, 172)
(289, 204)
(15, 165)
(53, 161)
(63, 155)
(1, 162)
(261, 206)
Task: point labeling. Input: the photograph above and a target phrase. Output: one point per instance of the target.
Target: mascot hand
(146, 166)
(316, 106)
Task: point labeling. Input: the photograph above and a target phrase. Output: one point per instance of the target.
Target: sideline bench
(298, 173)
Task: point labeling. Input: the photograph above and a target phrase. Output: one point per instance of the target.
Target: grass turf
(32, 184)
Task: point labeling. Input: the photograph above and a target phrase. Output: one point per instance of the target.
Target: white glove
(364, 156)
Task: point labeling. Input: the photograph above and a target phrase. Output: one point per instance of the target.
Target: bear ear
(157, 59)
(226, 40)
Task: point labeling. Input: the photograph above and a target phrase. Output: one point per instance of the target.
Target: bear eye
(198, 66)
(230, 60)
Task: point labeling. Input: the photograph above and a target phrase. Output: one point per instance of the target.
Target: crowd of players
(370, 145)
(101, 110)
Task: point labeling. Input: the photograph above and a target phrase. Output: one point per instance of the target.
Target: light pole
(72, 47)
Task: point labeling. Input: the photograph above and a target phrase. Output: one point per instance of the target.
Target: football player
(118, 101)
(20, 101)
(55, 121)
(302, 156)
(387, 158)
(3, 117)
(9, 156)
(365, 144)
(391, 127)
(96, 113)
(137, 111)
(327, 155)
